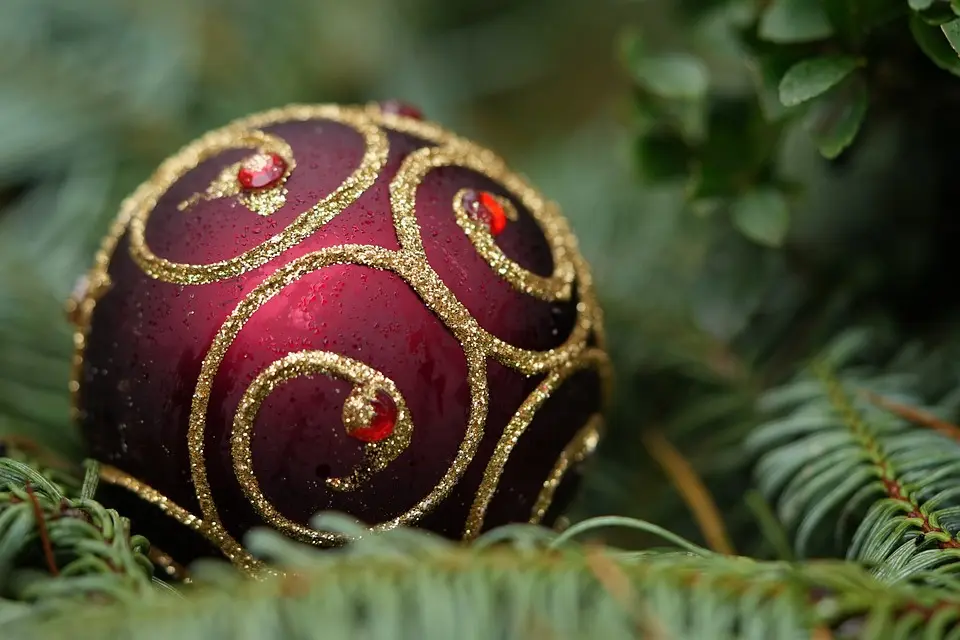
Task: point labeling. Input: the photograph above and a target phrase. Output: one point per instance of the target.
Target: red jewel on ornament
(383, 421)
(261, 170)
(485, 206)
(398, 108)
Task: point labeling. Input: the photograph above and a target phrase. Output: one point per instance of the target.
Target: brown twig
(42, 531)
(692, 490)
(916, 416)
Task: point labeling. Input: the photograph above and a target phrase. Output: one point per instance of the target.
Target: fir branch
(832, 451)
(58, 547)
(408, 583)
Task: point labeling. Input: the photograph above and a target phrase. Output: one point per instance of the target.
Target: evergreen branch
(58, 547)
(835, 451)
(408, 583)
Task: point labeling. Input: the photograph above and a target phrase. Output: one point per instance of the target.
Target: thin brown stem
(42, 531)
(692, 490)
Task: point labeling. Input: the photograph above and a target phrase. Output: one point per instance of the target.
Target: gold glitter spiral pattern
(262, 201)
(408, 263)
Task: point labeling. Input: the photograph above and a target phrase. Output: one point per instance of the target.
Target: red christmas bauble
(331, 308)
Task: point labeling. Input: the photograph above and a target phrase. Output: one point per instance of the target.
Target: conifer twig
(692, 490)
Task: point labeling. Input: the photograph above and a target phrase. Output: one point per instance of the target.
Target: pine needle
(692, 490)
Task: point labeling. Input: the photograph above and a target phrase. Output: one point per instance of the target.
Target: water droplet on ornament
(398, 108)
(261, 170)
(383, 422)
(485, 207)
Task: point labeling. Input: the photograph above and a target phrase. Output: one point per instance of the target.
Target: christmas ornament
(336, 308)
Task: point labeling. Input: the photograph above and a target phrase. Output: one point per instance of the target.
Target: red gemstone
(383, 422)
(485, 206)
(261, 170)
(398, 108)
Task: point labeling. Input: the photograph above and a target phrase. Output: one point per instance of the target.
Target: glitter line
(213, 533)
(591, 358)
(583, 444)
(264, 202)
(426, 284)
(232, 136)
(415, 168)
(378, 454)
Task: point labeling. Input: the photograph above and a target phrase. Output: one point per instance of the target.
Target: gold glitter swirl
(265, 201)
(583, 444)
(427, 285)
(486, 245)
(518, 424)
(357, 410)
(306, 223)
(409, 263)
(403, 196)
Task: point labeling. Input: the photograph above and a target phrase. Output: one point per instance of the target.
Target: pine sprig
(832, 453)
(518, 582)
(58, 546)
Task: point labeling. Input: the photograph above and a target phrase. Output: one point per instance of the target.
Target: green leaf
(794, 21)
(952, 31)
(768, 70)
(673, 76)
(936, 12)
(810, 78)
(933, 43)
(762, 215)
(835, 119)
(920, 5)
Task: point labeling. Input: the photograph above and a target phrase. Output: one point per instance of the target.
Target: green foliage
(834, 455)
(813, 77)
(59, 548)
(517, 581)
(931, 39)
(788, 21)
(833, 122)
(815, 65)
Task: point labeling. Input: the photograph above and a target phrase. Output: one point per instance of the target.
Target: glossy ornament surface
(338, 308)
